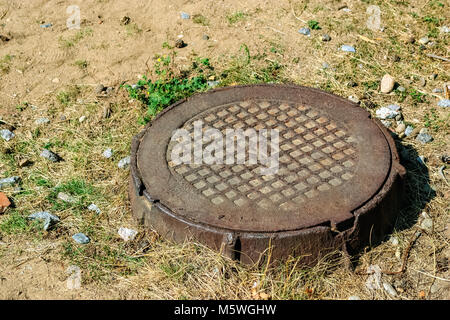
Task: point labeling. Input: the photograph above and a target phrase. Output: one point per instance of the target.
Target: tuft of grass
(82, 64)
(132, 29)
(168, 87)
(236, 17)
(313, 25)
(200, 19)
(72, 41)
(5, 63)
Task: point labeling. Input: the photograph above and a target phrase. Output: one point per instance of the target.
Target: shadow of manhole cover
(244, 168)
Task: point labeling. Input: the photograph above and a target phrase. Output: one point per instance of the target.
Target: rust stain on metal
(338, 181)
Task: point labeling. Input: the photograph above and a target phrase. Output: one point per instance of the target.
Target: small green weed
(313, 25)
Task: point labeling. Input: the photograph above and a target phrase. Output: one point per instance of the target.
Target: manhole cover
(241, 169)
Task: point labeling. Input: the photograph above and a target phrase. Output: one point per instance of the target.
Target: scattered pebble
(444, 29)
(180, 43)
(400, 128)
(10, 181)
(99, 89)
(205, 37)
(326, 37)
(4, 202)
(373, 282)
(354, 298)
(124, 163)
(53, 157)
(49, 219)
(6, 134)
(433, 76)
(386, 123)
(354, 99)
(82, 119)
(185, 15)
(127, 234)
(424, 40)
(125, 20)
(107, 153)
(423, 82)
(423, 136)
(93, 207)
(81, 238)
(213, 84)
(41, 121)
(394, 240)
(389, 289)
(305, 31)
(55, 80)
(387, 84)
(445, 103)
(408, 130)
(66, 197)
(437, 90)
(24, 163)
(46, 25)
(389, 112)
(427, 222)
(347, 48)
(325, 65)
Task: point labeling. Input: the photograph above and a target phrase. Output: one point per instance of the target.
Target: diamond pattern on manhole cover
(316, 155)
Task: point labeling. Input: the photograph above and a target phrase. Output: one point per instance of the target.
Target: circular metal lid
(332, 159)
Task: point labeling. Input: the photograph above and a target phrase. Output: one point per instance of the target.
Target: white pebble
(127, 234)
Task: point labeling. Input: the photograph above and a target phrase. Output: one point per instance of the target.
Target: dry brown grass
(151, 267)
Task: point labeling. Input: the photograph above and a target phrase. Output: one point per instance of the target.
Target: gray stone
(82, 119)
(185, 15)
(124, 163)
(401, 89)
(66, 197)
(325, 65)
(437, 90)
(389, 289)
(354, 99)
(386, 123)
(107, 153)
(93, 207)
(127, 234)
(99, 89)
(408, 130)
(53, 157)
(41, 121)
(213, 84)
(387, 112)
(326, 37)
(205, 37)
(10, 181)
(444, 29)
(427, 224)
(49, 219)
(424, 40)
(6, 134)
(305, 31)
(423, 137)
(445, 103)
(347, 48)
(81, 238)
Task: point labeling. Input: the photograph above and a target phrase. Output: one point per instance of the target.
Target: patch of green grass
(417, 96)
(68, 96)
(77, 188)
(200, 19)
(5, 63)
(15, 223)
(132, 29)
(82, 64)
(169, 87)
(313, 25)
(432, 121)
(236, 17)
(72, 41)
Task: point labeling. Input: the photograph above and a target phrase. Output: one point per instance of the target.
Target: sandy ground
(43, 62)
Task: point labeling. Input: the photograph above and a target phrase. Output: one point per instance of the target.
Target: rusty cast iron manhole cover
(240, 168)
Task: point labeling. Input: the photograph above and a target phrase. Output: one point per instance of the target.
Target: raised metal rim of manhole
(336, 185)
